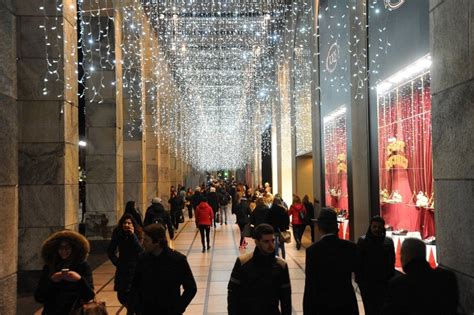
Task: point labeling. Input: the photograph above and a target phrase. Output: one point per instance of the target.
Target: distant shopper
(421, 290)
(330, 263)
(204, 218)
(224, 201)
(213, 201)
(376, 265)
(260, 282)
(176, 202)
(66, 279)
(189, 205)
(298, 219)
(241, 209)
(279, 220)
(309, 215)
(156, 213)
(126, 241)
(163, 283)
(259, 214)
(131, 208)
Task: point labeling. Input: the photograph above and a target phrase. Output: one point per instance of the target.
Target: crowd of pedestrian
(153, 278)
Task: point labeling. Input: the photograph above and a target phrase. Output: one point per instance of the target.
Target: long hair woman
(298, 213)
(126, 238)
(131, 208)
(66, 280)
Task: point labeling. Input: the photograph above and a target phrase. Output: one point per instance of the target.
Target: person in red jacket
(298, 215)
(204, 216)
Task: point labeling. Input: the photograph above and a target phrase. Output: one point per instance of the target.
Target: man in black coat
(421, 290)
(330, 263)
(160, 275)
(156, 213)
(260, 282)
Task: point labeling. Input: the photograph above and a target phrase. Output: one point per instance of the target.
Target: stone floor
(211, 270)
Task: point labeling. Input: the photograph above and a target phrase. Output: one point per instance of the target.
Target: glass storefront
(400, 103)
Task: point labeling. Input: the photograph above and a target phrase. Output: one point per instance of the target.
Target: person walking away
(309, 215)
(298, 219)
(242, 214)
(330, 263)
(131, 208)
(189, 205)
(421, 290)
(260, 282)
(66, 279)
(163, 282)
(204, 217)
(259, 214)
(126, 238)
(213, 201)
(176, 204)
(196, 199)
(278, 218)
(224, 201)
(156, 213)
(376, 265)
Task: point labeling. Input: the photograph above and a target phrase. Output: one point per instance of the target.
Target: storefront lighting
(411, 71)
(82, 143)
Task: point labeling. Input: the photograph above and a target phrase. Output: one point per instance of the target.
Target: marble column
(358, 144)
(104, 152)
(134, 145)
(452, 88)
(151, 108)
(9, 158)
(48, 127)
(164, 178)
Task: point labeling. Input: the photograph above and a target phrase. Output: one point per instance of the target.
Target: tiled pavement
(211, 270)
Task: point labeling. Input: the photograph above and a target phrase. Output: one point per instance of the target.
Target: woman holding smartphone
(127, 239)
(66, 279)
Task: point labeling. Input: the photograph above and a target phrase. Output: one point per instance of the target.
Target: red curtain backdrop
(405, 114)
(335, 145)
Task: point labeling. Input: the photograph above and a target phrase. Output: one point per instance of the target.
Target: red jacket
(294, 212)
(204, 214)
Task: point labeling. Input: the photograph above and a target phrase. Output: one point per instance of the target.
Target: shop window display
(335, 163)
(405, 150)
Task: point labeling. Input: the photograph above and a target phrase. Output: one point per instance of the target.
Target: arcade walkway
(211, 269)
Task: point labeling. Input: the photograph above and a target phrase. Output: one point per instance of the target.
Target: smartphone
(65, 270)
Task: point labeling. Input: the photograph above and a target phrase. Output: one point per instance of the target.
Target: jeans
(298, 230)
(223, 213)
(279, 245)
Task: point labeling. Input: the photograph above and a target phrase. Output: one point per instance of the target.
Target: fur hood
(50, 246)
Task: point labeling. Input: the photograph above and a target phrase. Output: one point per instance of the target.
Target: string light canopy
(201, 74)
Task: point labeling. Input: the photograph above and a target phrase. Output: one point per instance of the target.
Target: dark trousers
(175, 216)
(202, 229)
(298, 230)
(373, 296)
(190, 211)
(241, 228)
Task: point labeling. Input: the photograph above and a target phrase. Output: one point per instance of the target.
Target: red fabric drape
(405, 113)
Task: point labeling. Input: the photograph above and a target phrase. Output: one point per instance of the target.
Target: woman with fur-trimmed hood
(66, 279)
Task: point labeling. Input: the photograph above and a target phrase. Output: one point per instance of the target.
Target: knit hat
(156, 200)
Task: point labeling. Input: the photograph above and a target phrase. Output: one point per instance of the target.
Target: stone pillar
(358, 147)
(134, 146)
(9, 158)
(104, 152)
(151, 108)
(452, 84)
(163, 155)
(48, 128)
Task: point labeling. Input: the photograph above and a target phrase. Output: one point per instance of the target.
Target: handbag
(90, 308)
(285, 236)
(302, 216)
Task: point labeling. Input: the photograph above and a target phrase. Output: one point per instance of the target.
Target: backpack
(224, 198)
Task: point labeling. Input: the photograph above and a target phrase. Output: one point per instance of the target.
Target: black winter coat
(259, 216)
(328, 290)
(278, 218)
(258, 285)
(213, 201)
(196, 199)
(158, 281)
(157, 213)
(176, 203)
(422, 290)
(309, 211)
(129, 248)
(242, 212)
(59, 298)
